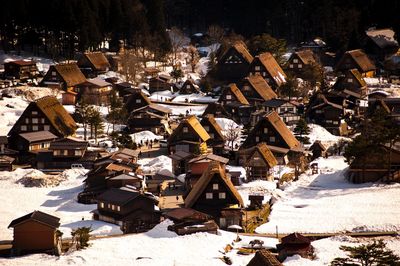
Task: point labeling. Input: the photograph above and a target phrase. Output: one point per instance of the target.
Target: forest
(63, 27)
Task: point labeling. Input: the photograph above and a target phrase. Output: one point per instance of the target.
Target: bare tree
(232, 134)
(193, 57)
(178, 40)
(215, 36)
(131, 63)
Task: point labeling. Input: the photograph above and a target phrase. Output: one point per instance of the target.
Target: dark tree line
(60, 28)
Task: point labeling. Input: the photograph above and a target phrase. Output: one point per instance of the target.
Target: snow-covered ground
(142, 136)
(43, 64)
(154, 165)
(318, 132)
(328, 203)
(156, 247)
(183, 109)
(258, 187)
(60, 201)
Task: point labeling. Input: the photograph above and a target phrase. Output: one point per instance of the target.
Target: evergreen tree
(266, 43)
(96, 123)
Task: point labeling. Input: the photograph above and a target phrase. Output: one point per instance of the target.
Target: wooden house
(381, 43)
(4, 149)
(131, 210)
(21, 70)
(123, 180)
(153, 117)
(160, 83)
(34, 141)
(124, 88)
(256, 90)
(265, 65)
(6, 163)
(351, 84)
(389, 106)
(259, 163)
(264, 257)
(217, 110)
(289, 111)
(180, 161)
(300, 60)
(45, 114)
(234, 64)
(231, 93)
(189, 136)
(136, 100)
(36, 232)
(94, 91)
(189, 221)
(63, 76)
(318, 150)
(217, 139)
(356, 59)
(273, 131)
(189, 87)
(328, 111)
(93, 64)
(214, 194)
(295, 244)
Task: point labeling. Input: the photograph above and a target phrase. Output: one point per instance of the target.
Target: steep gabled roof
(282, 129)
(70, 73)
(38, 216)
(357, 75)
(261, 87)
(264, 257)
(21, 62)
(295, 238)
(273, 68)
(215, 107)
(195, 125)
(360, 58)
(240, 47)
(97, 60)
(58, 116)
(211, 121)
(209, 157)
(306, 56)
(237, 93)
(214, 169)
(266, 154)
(383, 37)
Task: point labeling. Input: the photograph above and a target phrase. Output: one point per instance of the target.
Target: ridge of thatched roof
(306, 56)
(195, 125)
(97, 60)
(266, 154)
(360, 58)
(261, 87)
(70, 73)
(214, 168)
(211, 120)
(238, 94)
(282, 129)
(273, 68)
(264, 257)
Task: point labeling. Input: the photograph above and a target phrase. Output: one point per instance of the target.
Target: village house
(329, 112)
(36, 232)
(231, 93)
(123, 180)
(356, 59)
(189, 87)
(256, 90)
(351, 84)
(189, 136)
(389, 106)
(21, 70)
(137, 99)
(44, 114)
(6, 163)
(289, 111)
(94, 91)
(63, 77)
(300, 60)
(4, 149)
(217, 139)
(153, 117)
(295, 244)
(7, 156)
(217, 110)
(381, 43)
(215, 195)
(180, 161)
(32, 142)
(234, 64)
(259, 163)
(273, 131)
(132, 210)
(160, 83)
(264, 257)
(265, 65)
(318, 150)
(93, 64)
(124, 88)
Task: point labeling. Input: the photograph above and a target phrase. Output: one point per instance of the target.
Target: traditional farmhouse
(153, 117)
(273, 131)
(217, 110)
(289, 111)
(351, 84)
(124, 88)
(389, 106)
(295, 244)
(36, 232)
(189, 87)
(189, 221)
(93, 64)
(318, 150)
(217, 139)
(264, 257)
(180, 161)
(381, 43)
(214, 194)
(231, 93)
(136, 100)
(299, 60)
(256, 89)
(34, 141)
(259, 163)
(94, 91)
(356, 59)
(265, 65)
(21, 70)
(234, 64)
(63, 76)
(160, 83)
(189, 136)
(133, 211)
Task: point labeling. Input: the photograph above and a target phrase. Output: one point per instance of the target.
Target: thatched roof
(306, 56)
(273, 68)
(295, 238)
(209, 157)
(60, 119)
(38, 136)
(287, 135)
(261, 87)
(192, 122)
(70, 73)
(360, 58)
(266, 155)
(383, 38)
(264, 258)
(38, 216)
(210, 120)
(214, 169)
(236, 92)
(97, 60)
(216, 109)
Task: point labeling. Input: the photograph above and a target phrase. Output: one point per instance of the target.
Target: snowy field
(327, 203)
(43, 64)
(184, 109)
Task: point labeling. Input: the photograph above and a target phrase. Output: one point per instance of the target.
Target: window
(65, 152)
(291, 66)
(27, 120)
(35, 128)
(257, 68)
(112, 207)
(34, 112)
(57, 152)
(118, 208)
(264, 74)
(187, 86)
(290, 109)
(44, 145)
(35, 120)
(222, 195)
(272, 139)
(336, 122)
(257, 139)
(42, 120)
(229, 97)
(138, 100)
(46, 127)
(101, 204)
(300, 65)
(78, 153)
(215, 186)
(209, 195)
(329, 121)
(295, 60)
(23, 128)
(318, 111)
(265, 130)
(185, 130)
(53, 73)
(349, 80)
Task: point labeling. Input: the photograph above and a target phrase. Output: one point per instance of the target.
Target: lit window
(350, 80)
(185, 130)
(35, 120)
(34, 112)
(118, 208)
(215, 186)
(57, 152)
(78, 153)
(138, 101)
(229, 97)
(257, 68)
(265, 130)
(318, 111)
(35, 128)
(209, 195)
(53, 73)
(23, 128)
(101, 204)
(42, 120)
(291, 66)
(257, 139)
(264, 74)
(27, 120)
(187, 86)
(112, 207)
(46, 127)
(300, 65)
(222, 195)
(328, 121)
(336, 122)
(65, 152)
(295, 60)
(272, 139)
(109, 205)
